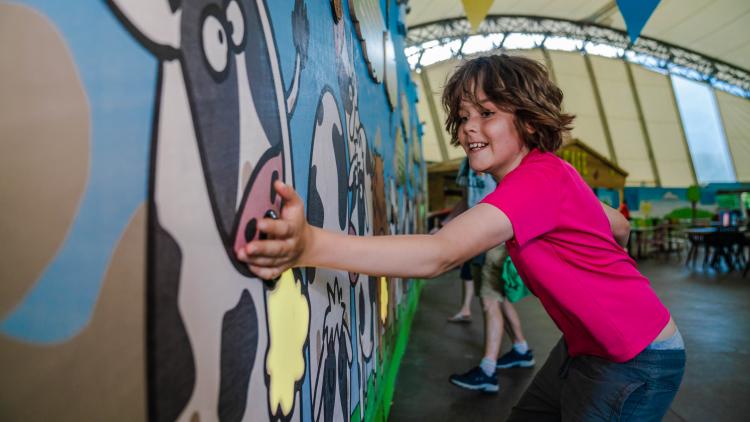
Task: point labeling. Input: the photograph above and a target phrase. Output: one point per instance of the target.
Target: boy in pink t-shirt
(621, 356)
(564, 250)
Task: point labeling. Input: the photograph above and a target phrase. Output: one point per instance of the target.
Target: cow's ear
(153, 22)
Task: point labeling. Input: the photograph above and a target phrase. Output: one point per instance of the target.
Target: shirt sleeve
(531, 198)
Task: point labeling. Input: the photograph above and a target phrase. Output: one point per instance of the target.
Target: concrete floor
(712, 311)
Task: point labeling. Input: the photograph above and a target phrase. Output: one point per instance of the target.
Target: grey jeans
(587, 388)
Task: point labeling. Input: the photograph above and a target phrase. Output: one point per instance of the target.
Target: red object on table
(624, 210)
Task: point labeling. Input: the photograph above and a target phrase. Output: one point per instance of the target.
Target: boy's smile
(489, 137)
(476, 146)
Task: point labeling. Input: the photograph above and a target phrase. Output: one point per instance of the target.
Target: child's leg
(541, 401)
(520, 355)
(512, 322)
(464, 313)
(491, 296)
(468, 295)
(493, 329)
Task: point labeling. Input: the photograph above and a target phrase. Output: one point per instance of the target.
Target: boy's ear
(530, 129)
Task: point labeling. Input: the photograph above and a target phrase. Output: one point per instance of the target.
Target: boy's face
(489, 137)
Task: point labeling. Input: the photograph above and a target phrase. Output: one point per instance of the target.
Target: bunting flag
(636, 13)
(476, 11)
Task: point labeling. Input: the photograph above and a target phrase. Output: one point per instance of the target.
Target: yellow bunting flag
(476, 11)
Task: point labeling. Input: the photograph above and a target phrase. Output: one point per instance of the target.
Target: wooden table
(639, 235)
(659, 239)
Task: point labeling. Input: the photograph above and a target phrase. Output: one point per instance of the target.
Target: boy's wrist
(307, 246)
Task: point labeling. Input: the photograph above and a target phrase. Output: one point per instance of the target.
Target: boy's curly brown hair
(516, 85)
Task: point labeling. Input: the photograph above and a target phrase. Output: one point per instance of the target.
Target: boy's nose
(470, 125)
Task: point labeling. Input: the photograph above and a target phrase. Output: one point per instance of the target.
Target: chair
(745, 244)
(728, 246)
(664, 241)
(696, 241)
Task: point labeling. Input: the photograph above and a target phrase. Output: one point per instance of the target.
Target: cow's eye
(236, 19)
(215, 44)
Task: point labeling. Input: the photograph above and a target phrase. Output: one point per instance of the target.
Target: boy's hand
(287, 238)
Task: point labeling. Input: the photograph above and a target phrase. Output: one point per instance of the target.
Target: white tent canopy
(627, 112)
(715, 28)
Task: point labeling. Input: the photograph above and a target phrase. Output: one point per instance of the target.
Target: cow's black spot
(239, 341)
(250, 229)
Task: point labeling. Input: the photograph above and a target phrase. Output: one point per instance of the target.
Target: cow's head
(237, 106)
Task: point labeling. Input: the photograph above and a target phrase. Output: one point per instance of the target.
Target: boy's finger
(265, 273)
(268, 261)
(287, 193)
(267, 248)
(241, 254)
(275, 228)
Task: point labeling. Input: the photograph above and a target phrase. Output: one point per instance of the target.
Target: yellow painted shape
(383, 299)
(288, 325)
(645, 208)
(476, 11)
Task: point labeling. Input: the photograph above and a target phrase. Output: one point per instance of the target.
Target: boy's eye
(462, 119)
(487, 113)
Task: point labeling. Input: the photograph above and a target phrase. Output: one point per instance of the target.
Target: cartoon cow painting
(216, 82)
(327, 204)
(220, 139)
(360, 210)
(339, 199)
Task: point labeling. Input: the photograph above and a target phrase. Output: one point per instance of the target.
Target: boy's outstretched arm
(294, 243)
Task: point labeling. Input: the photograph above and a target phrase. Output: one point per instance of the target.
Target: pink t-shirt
(564, 250)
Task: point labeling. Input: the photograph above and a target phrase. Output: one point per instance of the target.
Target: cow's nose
(258, 198)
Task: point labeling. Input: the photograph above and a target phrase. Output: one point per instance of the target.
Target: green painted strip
(379, 409)
(355, 414)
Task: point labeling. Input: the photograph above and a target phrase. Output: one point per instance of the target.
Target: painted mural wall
(138, 144)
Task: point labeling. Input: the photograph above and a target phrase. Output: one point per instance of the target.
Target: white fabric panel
(439, 75)
(727, 37)
(423, 11)
(429, 11)
(430, 146)
(578, 98)
(570, 9)
(622, 117)
(663, 124)
(716, 28)
(535, 54)
(735, 114)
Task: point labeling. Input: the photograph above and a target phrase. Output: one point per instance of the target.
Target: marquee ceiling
(626, 112)
(715, 28)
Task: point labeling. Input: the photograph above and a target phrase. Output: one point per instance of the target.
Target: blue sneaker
(514, 359)
(476, 380)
